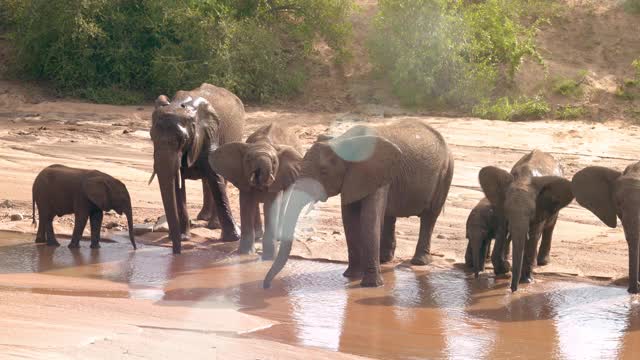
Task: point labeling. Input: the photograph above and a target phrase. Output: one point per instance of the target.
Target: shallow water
(437, 314)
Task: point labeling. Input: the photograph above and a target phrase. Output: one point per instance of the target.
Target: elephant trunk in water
(298, 199)
(519, 230)
(129, 214)
(166, 166)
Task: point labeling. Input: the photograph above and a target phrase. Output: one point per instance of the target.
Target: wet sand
(116, 302)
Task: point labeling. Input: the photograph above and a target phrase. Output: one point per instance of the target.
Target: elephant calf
(482, 227)
(60, 190)
(530, 197)
(609, 193)
(399, 169)
(261, 168)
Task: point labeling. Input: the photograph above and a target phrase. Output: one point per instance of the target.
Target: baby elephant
(482, 227)
(60, 190)
(262, 168)
(609, 194)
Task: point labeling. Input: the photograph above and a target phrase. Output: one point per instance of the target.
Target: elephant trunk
(630, 224)
(129, 214)
(167, 170)
(519, 231)
(298, 199)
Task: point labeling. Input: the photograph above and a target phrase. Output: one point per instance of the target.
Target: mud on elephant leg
(271, 210)
(208, 211)
(257, 223)
(545, 244)
(388, 239)
(218, 188)
(371, 218)
(41, 236)
(95, 221)
(501, 251)
(350, 222)
(423, 249)
(247, 220)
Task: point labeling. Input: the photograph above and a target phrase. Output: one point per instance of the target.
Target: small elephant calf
(262, 168)
(482, 227)
(60, 190)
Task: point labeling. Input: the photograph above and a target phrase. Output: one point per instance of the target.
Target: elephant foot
(176, 248)
(230, 236)
(53, 243)
(74, 245)
(352, 273)
(526, 279)
(371, 280)
(267, 256)
(205, 215)
(258, 233)
(246, 248)
(425, 259)
(633, 289)
(543, 260)
(213, 223)
(386, 256)
(95, 246)
(502, 268)
(40, 241)
(185, 237)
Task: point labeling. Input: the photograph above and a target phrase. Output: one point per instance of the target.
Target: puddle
(439, 314)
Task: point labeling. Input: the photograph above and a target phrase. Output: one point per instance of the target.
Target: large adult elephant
(529, 198)
(185, 131)
(609, 193)
(382, 172)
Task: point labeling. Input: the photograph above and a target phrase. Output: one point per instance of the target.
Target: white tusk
(252, 179)
(153, 175)
(311, 207)
(179, 179)
(273, 178)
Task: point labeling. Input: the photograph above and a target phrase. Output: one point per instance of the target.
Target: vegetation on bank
(120, 51)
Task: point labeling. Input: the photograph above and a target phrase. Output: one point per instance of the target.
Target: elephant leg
(350, 222)
(247, 220)
(631, 228)
(545, 244)
(183, 213)
(51, 236)
(271, 210)
(218, 188)
(501, 250)
(208, 211)
(79, 223)
(371, 217)
(531, 252)
(41, 236)
(388, 240)
(423, 249)
(468, 256)
(95, 220)
(257, 223)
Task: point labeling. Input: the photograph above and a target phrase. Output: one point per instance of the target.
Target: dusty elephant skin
(381, 172)
(529, 198)
(482, 227)
(60, 190)
(261, 168)
(609, 193)
(185, 131)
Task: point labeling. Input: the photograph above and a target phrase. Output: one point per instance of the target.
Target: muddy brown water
(418, 314)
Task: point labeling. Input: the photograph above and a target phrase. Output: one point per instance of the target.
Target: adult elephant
(383, 172)
(529, 198)
(609, 193)
(185, 131)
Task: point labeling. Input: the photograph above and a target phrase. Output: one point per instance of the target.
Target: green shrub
(632, 6)
(448, 52)
(513, 110)
(630, 88)
(98, 48)
(570, 112)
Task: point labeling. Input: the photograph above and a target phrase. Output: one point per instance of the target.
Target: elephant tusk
(153, 175)
(310, 208)
(273, 178)
(252, 179)
(179, 179)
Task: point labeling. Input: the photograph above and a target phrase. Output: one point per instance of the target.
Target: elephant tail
(33, 208)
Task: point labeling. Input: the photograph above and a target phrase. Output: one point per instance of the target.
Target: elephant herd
(400, 169)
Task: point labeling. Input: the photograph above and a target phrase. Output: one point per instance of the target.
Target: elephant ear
(288, 170)
(593, 188)
(372, 163)
(206, 116)
(323, 138)
(227, 161)
(494, 182)
(97, 191)
(554, 193)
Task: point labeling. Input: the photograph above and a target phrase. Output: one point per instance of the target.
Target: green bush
(120, 50)
(570, 112)
(449, 52)
(632, 6)
(513, 110)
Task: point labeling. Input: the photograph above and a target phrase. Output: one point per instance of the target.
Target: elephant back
(422, 179)
(537, 163)
(275, 135)
(229, 108)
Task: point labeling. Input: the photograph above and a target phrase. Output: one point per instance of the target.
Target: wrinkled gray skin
(482, 227)
(530, 198)
(60, 190)
(261, 168)
(382, 172)
(609, 194)
(185, 131)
